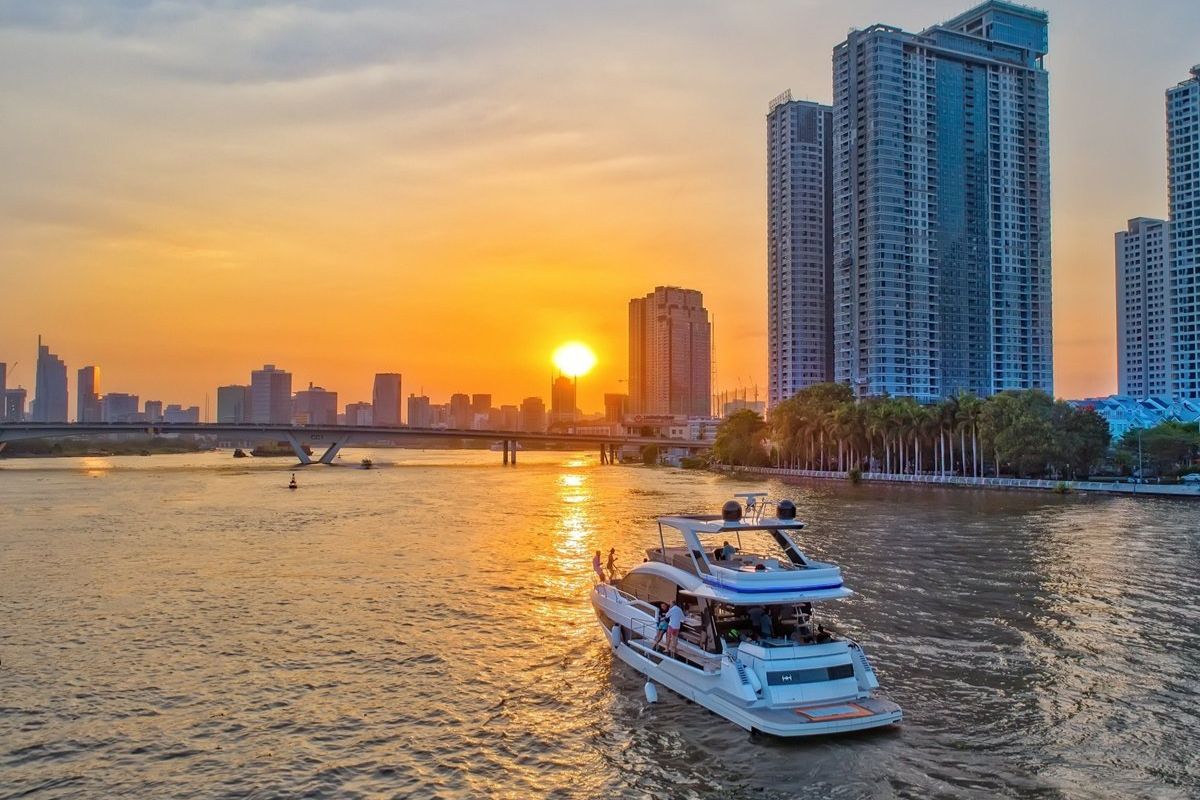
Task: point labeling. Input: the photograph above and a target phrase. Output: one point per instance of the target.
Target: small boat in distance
(367, 463)
(748, 645)
(292, 484)
(239, 453)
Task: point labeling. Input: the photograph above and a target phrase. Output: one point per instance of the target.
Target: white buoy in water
(651, 693)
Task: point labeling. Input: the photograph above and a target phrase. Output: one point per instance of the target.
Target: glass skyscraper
(799, 246)
(941, 202)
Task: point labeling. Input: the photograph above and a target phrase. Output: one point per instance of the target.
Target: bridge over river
(334, 437)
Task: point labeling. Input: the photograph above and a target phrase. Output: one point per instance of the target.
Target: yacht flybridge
(749, 646)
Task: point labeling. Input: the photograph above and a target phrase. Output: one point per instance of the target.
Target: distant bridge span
(334, 437)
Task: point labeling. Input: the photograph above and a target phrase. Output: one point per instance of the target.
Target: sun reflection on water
(95, 467)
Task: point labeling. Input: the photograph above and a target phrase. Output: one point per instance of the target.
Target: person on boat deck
(612, 562)
(727, 551)
(802, 634)
(597, 567)
(661, 624)
(823, 635)
(674, 623)
(760, 620)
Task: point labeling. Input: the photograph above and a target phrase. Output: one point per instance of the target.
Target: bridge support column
(305, 460)
(505, 443)
(514, 452)
(603, 454)
(612, 454)
(330, 454)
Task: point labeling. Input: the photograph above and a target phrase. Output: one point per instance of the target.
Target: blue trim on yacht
(771, 590)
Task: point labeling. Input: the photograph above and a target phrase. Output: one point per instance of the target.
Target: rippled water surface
(184, 626)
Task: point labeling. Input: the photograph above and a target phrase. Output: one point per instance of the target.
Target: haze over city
(346, 188)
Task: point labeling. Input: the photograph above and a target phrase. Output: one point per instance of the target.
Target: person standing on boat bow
(612, 563)
(597, 567)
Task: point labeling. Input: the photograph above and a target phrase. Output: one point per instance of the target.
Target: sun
(574, 359)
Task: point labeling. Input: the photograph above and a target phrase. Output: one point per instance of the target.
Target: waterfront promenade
(1107, 487)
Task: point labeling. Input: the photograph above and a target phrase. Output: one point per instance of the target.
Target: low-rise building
(1124, 413)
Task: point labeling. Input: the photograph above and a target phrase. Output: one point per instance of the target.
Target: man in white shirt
(674, 623)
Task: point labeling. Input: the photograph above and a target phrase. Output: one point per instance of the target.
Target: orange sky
(451, 192)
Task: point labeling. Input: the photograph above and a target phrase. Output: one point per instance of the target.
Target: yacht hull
(711, 689)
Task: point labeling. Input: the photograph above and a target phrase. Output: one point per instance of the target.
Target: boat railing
(617, 594)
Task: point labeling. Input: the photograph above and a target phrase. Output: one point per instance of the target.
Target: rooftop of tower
(1004, 22)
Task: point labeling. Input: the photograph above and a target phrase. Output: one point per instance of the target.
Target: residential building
(14, 405)
(87, 395)
(670, 353)
(270, 396)
(439, 414)
(177, 414)
(233, 404)
(50, 398)
(461, 415)
(420, 415)
(799, 245)
(1183, 201)
(616, 407)
(315, 406)
(1143, 309)
(360, 414)
(941, 203)
(742, 404)
(509, 419)
(153, 411)
(120, 407)
(1124, 413)
(564, 409)
(386, 399)
(533, 415)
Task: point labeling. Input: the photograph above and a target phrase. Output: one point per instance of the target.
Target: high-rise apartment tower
(941, 186)
(799, 246)
(670, 353)
(1183, 200)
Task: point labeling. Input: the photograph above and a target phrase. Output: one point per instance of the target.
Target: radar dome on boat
(785, 510)
(731, 511)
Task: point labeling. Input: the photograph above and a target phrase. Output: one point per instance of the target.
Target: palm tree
(948, 419)
(874, 425)
(970, 410)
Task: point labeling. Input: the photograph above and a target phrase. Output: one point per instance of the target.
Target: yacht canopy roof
(714, 523)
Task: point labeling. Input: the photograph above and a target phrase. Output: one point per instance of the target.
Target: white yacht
(750, 647)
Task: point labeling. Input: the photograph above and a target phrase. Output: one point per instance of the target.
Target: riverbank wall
(1027, 484)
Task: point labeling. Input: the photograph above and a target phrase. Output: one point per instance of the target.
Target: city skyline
(611, 203)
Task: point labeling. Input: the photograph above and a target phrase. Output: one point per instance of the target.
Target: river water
(184, 626)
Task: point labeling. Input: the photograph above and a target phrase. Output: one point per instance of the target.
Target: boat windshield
(752, 550)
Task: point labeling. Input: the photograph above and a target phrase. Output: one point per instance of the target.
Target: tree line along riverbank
(1017, 434)
(104, 446)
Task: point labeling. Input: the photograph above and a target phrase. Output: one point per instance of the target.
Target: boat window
(651, 588)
